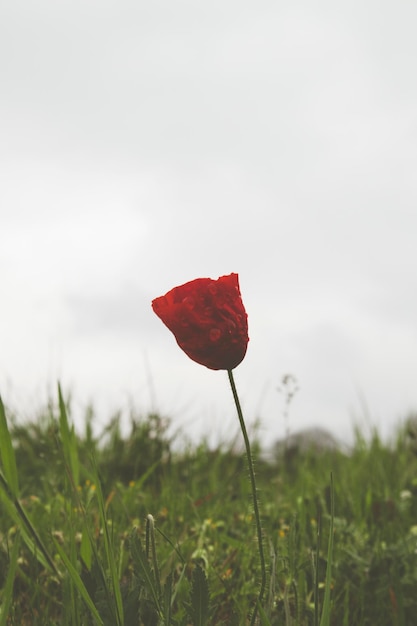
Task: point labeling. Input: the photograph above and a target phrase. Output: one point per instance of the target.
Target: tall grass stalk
(325, 616)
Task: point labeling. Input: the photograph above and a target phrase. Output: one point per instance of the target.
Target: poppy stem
(254, 495)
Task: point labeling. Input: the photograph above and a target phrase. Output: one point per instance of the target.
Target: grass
(121, 529)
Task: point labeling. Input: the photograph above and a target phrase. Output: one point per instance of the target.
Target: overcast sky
(144, 144)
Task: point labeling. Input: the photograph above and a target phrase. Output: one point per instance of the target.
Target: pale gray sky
(144, 144)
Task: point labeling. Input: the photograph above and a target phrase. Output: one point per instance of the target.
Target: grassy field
(122, 529)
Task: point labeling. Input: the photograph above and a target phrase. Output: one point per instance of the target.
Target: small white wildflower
(405, 494)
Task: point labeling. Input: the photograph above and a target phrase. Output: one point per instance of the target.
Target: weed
(121, 529)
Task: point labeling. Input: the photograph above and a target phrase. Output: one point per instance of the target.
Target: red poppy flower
(208, 320)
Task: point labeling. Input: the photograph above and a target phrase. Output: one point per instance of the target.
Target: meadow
(126, 528)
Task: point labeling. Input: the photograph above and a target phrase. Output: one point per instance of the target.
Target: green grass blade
(109, 550)
(7, 593)
(144, 570)
(200, 597)
(7, 455)
(315, 564)
(89, 552)
(263, 618)
(78, 583)
(29, 532)
(86, 550)
(68, 439)
(150, 543)
(168, 600)
(325, 616)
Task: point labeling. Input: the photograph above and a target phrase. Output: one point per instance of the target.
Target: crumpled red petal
(208, 320)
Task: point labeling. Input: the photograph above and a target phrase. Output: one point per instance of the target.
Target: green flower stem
(254, 494)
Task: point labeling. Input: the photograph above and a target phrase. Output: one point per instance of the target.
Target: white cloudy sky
(144, 144)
